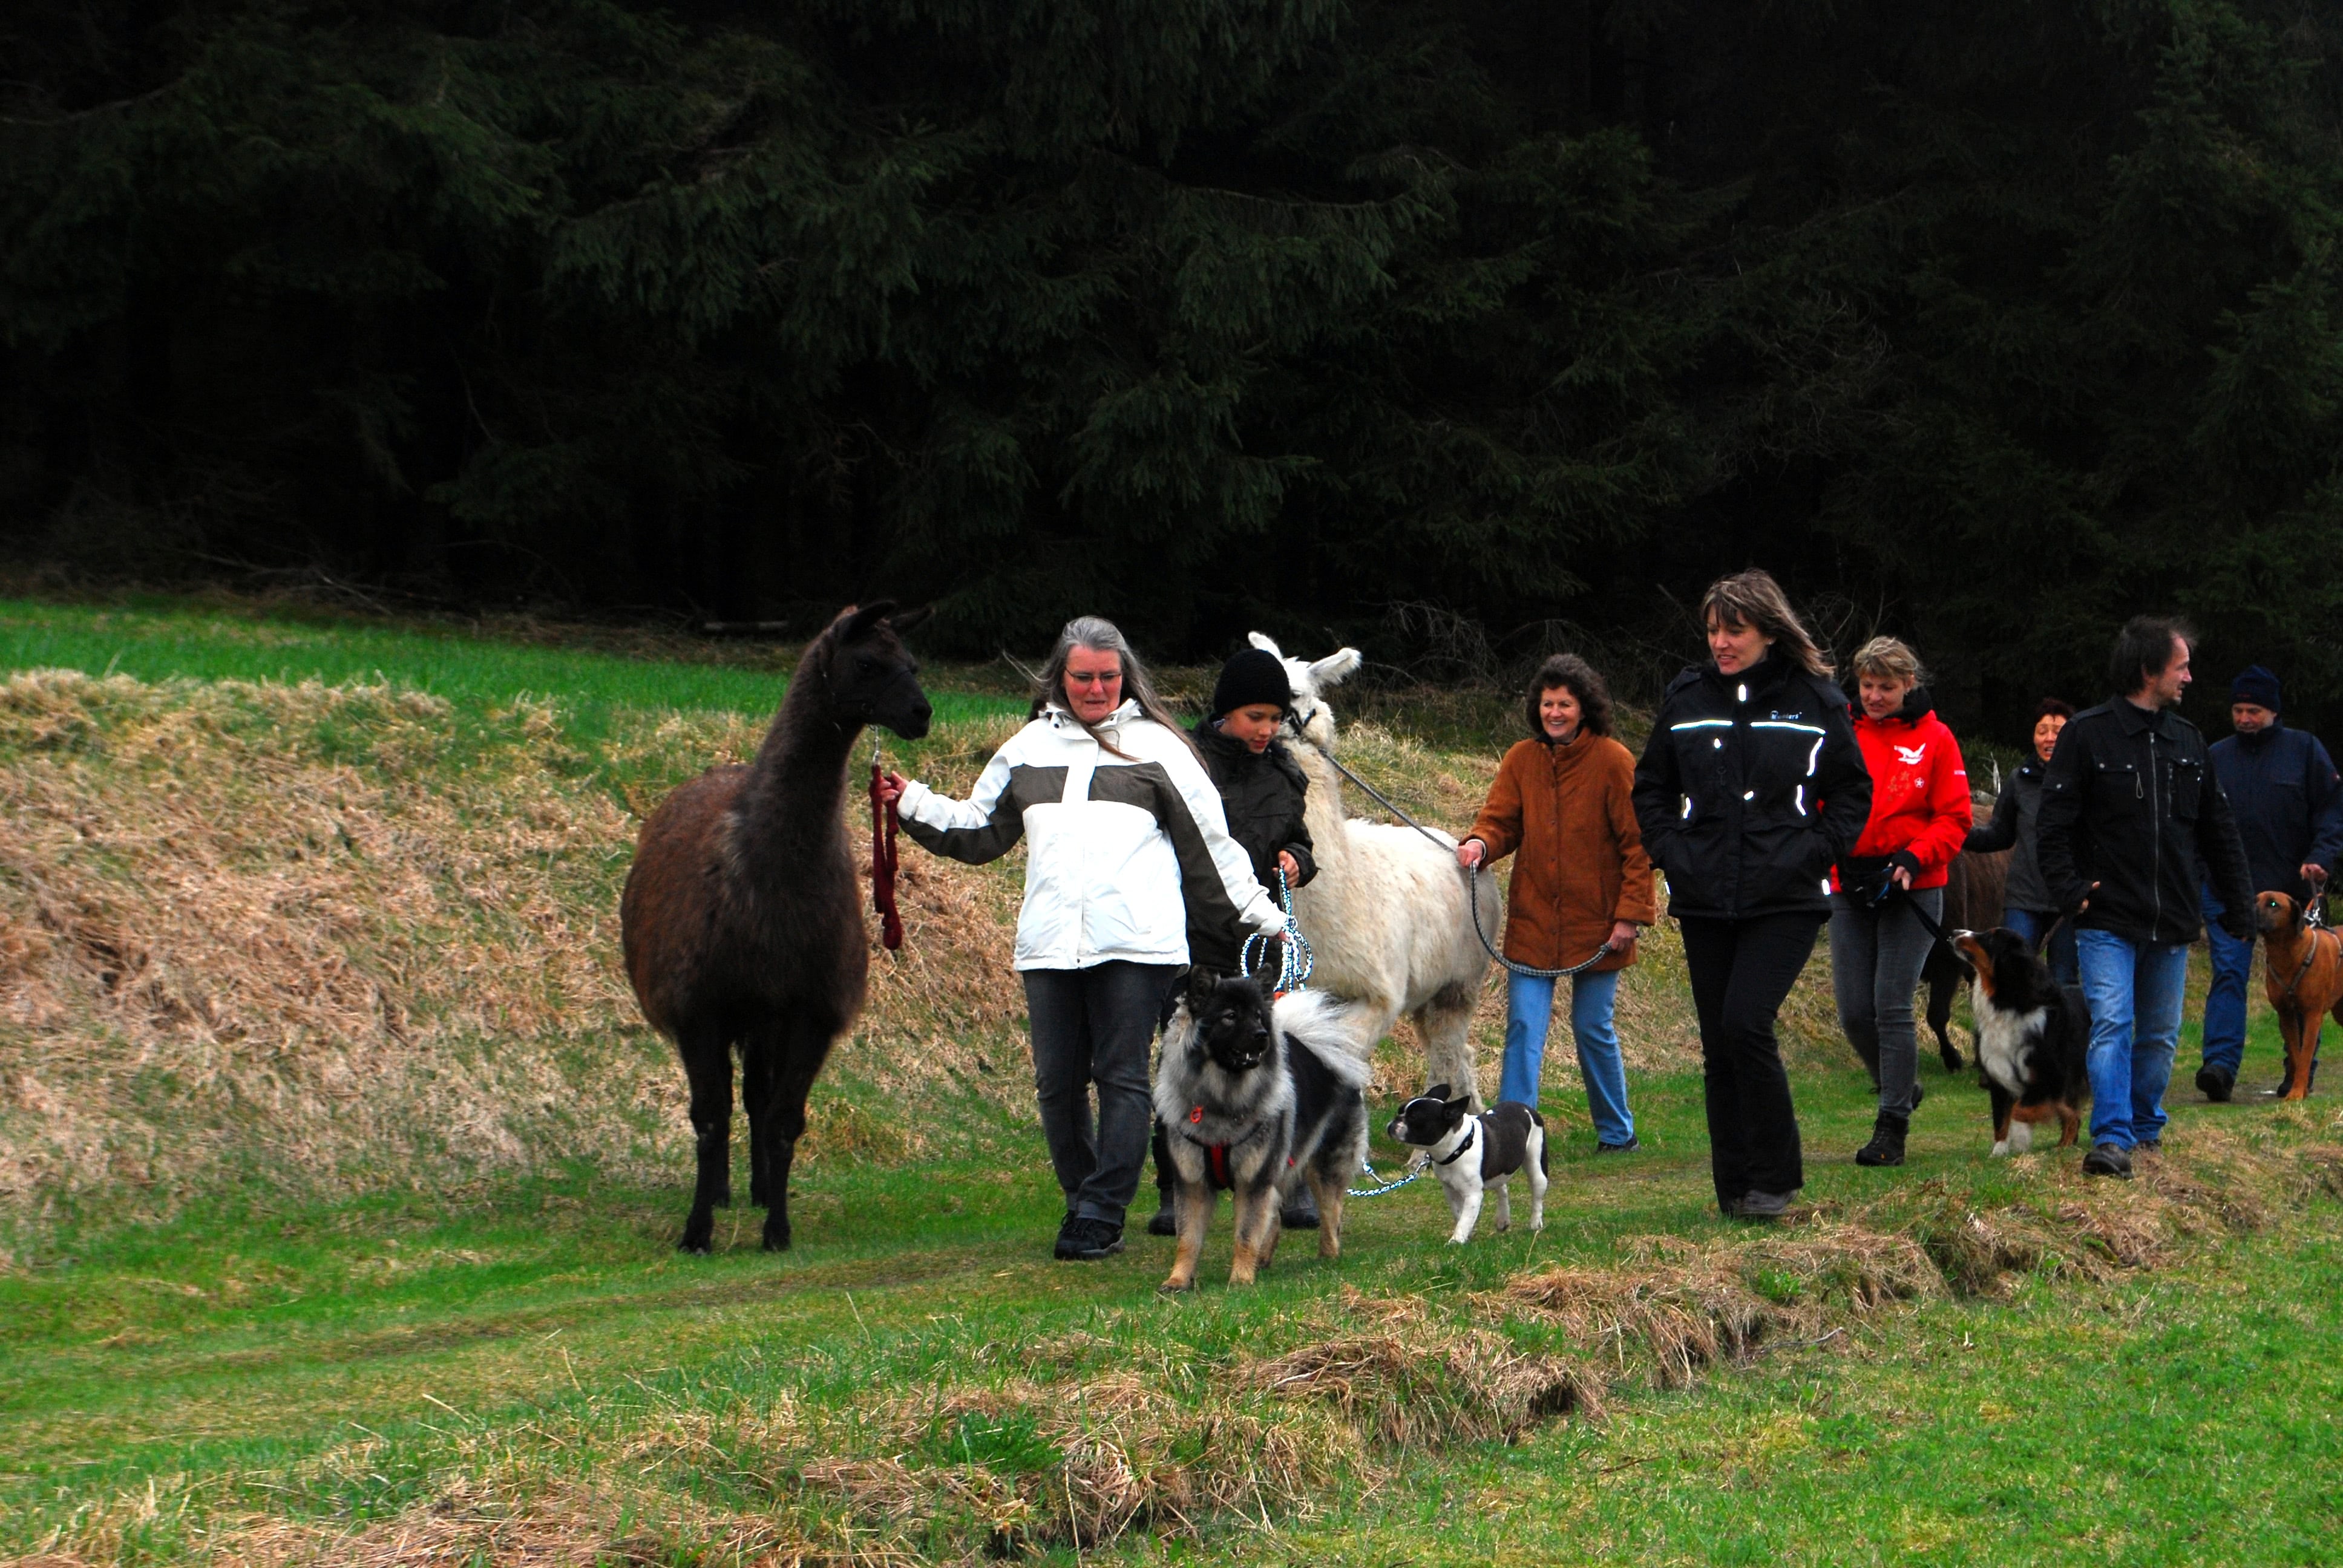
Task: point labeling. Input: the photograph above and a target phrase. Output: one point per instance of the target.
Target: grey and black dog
(1258, 1097)
(1471, 1153)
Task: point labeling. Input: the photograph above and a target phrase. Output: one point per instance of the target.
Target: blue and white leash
(1296, 964)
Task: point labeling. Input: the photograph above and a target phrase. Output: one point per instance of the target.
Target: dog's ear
(1201, 984)
(1437, 1091)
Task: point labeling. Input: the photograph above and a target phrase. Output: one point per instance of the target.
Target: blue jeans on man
(2134, 991)
(1529, 1006)
(2029, 924)
(2225, 1002)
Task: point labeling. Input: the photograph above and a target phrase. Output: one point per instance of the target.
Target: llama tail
(1339, 1033)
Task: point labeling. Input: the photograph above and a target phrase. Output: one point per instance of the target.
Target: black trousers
(1091, 1032)
(1741, 971)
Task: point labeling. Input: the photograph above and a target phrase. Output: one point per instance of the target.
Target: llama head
(1312, 719)
(869, 676)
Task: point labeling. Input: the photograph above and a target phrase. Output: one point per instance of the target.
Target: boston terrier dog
(1470, 1154)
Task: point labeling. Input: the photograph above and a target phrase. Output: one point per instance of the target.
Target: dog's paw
(1175, 1287)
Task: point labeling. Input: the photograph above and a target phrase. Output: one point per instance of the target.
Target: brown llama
(742, 916)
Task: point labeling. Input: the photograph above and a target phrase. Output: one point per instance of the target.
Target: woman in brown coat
(1561, 799)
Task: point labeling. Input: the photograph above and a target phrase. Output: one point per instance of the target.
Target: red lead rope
(882, 864)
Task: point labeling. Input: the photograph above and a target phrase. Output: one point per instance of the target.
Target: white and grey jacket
(1124, 852)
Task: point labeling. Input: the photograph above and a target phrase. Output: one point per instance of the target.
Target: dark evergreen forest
(1987, 322)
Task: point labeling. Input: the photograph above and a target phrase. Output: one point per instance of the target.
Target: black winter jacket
(2283, 790)
(1750, 788)
(2130, 803)
(2015, 827)
(1263, 796)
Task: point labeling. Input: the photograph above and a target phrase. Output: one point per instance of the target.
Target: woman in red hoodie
(1919, 815)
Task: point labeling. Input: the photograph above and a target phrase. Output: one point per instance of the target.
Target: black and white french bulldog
(1470, 1154)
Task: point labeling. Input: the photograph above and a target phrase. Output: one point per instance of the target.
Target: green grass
(229, 1357)
(165, 640)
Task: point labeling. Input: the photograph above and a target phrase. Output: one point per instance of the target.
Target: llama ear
(1331, 669)
(860, 618)
(1264, 642)
(909, 619)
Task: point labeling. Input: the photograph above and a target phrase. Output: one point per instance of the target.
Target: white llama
(1388, 916)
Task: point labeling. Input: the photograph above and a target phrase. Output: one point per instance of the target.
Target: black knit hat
(2255, 685)
(1256, 675)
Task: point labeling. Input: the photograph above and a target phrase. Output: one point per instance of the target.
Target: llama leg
(1197, 1202)
(708, 1064)
(804, 1049)
(1445, 1023)
(755, 1095)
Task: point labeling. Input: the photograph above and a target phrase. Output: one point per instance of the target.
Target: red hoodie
(1919, 791)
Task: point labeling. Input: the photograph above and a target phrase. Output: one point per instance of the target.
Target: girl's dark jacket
(2014, 827)
(1262, 795)
(1750, 788)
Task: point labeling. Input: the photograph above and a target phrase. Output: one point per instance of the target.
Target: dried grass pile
(343, 937)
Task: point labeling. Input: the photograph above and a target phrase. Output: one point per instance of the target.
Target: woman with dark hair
(2027, 908)
(1126, 839)
(1751, 789)
(1581, 888)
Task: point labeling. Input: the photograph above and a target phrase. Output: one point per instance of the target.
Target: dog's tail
(1335, 1031)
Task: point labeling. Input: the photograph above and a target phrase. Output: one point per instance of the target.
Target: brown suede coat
(1581, 867)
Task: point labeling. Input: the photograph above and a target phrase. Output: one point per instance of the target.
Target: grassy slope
(498, 1353)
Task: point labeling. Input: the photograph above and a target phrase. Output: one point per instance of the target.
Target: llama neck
(1321, 806)
(789, 809)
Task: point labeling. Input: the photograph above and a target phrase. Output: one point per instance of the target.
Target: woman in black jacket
(1750, 788)
(2028, 907)
(1262, 790)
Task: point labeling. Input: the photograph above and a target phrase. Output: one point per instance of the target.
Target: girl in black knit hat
(1262, 790)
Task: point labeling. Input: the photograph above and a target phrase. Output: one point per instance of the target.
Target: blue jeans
(2031, 923)
(2225, 1003)
(1529, 1004)
(2134, 991)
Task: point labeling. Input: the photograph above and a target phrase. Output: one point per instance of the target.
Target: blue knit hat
(2256, 686)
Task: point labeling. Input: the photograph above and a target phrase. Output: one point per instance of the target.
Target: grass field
(340, 1184)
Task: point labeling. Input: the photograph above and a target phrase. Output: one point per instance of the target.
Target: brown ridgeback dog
(2305, 982)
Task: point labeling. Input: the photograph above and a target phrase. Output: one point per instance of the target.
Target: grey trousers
(1877, 954)
(1092, 1027)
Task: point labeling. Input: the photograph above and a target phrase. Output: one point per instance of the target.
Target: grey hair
(1892, 658)
(1100, 635)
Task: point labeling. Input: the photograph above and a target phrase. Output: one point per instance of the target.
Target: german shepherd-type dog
(2032, 1039)
(2305, 982)
(1257, 1097)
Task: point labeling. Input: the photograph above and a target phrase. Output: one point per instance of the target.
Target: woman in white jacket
(1125, 844)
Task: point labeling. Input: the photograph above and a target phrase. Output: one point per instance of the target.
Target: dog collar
(1469, 1134)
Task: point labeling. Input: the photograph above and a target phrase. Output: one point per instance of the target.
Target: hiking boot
(1082, 1239)
(1629, 1147)
(1302, 1214)
(1887, 1145)
(2215, 1083)
(2108, 1160)
(1756, 1205)
(1165, 1221)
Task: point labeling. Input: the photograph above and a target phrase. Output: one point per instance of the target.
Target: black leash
(1471, 880)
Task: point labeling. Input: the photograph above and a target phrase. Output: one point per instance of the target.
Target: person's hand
(1901, 878)
(2315, 874)
(1468, 853)
(1290, 866)
(890, 788)
(1623, 937)
(2240, 928)
(2086, 898)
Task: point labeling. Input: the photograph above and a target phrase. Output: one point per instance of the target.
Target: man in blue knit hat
(2283, 790)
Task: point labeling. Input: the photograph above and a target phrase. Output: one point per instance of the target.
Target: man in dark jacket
(2282, 786)
(2133, 825)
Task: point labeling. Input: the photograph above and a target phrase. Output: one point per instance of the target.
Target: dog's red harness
(1217, 1174)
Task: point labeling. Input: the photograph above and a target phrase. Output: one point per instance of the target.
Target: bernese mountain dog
(2033, 1037)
